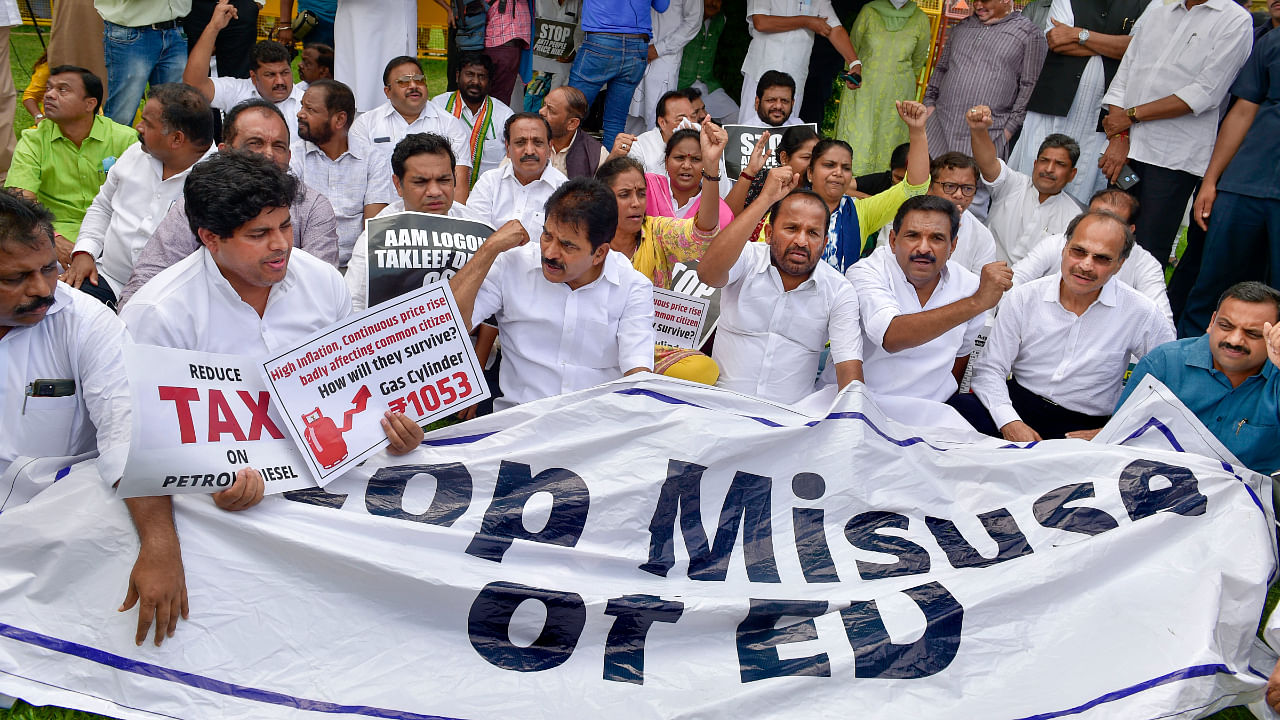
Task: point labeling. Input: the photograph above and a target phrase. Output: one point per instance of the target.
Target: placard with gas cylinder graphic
(409, 355)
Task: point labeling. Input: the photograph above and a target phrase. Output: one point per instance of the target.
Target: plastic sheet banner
(408, 250)
(656, 549)
(743, 139)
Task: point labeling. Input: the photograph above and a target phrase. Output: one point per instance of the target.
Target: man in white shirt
(775, 101)
(1067, 339)
(243, 293)
(781, 304)
(270, 76)
(572, 313)
(1024, 209)
(519, 189)
(472, 104)
(921, 312)
(673, 28)
(649, 147)
(175, 131)
(346, 170)
(407, 110)
(781, 39)
(1141, 271)
(422, 173)
(1163, 106)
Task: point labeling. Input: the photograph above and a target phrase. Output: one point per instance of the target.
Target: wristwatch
(1083, 37)
(1133, 114)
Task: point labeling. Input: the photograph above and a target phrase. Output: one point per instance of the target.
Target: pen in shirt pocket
(1241, 424)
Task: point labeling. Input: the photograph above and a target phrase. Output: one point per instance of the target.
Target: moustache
(530, 158)
(38, 303)
(553, 264)
(923, 256)
(1236, 348)
(799, 249)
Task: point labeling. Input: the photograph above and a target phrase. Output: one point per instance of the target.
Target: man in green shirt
(63, 161)
(697, 66)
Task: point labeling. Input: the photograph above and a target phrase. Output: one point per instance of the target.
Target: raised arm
(713, 139)
(196, 73)
(723, 252)
(915, 115)
(466, 284)
(915, 329)
(984, 150)
(737, 197)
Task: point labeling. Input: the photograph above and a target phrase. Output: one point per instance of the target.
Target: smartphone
(1128, 178)
(52, 388)
(854, 78)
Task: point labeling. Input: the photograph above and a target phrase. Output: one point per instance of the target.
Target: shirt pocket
(597, 342)
(46, 425)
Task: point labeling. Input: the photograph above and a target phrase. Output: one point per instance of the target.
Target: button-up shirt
(384, 127)
(923, 371)
(1018, 220)
(1076, 361)
(1246, 418)
(769, 340)
(63, 177)
(229, 92)
(135, 13)
(789, 50)
(79, 339)
(975, 246)
(357, 275)
(494, 147)
(557, 340)
(128, 208)
(498, 197)
(355, 179)
(192, 306)
(1253, 170)
(1141, 271)
(1193, 54)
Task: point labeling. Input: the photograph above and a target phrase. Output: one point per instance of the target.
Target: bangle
(712, 178)
(743, 174)
(854, 63)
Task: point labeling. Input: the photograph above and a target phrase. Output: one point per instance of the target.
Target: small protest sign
(408, 250)
(684, 281)
(198, 418)
(552, 39)
(678, 318)
(742, 140)
(410, 355)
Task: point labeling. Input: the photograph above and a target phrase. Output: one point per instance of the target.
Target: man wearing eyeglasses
(408, 110)
(954, 176)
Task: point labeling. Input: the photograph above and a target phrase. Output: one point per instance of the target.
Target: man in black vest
(573, 152)
(1084, 54)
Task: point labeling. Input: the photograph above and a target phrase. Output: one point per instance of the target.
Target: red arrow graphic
(360, 400)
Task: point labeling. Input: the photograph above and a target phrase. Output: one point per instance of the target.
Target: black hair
(506, 129)
(185, 110)
(1251, 291)
(803, 192)
(585, 204)
(575, 101)
(324, 55)
(678, 136)
(1129, 238)
(92, 83)
(898, 159)
(229, 122)
(420, 144)
(775, 78)
(826, 144)
(928, 203)
(667, 97)
(477, 58)
(690, 93)
(396, 62)
(24, 221)
(268, 51)
(795, 136)
(233, 187)
(954, 161)
(337, 98)
(614, 167)
(1066, 142)
(1118, 198)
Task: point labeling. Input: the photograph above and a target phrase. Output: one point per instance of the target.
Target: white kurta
(368, 33)
(672, 30)
(786, 51)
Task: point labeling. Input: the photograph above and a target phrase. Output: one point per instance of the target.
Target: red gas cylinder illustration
(323, 435)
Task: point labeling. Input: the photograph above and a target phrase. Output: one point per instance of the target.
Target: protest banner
(678, 318)
(684, 280)
(656, 549)
(409, 250)
(552, 39)
(198, 418)
(742, 140)
(413, 351)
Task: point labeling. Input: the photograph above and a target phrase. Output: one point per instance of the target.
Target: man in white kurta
(673, 28)
(781, 39)
(367, 33)
(519, 189)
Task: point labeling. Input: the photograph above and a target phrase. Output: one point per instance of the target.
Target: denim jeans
(616, 61)
(136, 57)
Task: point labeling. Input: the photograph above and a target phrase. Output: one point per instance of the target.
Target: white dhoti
(367, 34)
(660, 77)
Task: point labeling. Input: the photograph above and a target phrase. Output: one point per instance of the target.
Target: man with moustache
(573, 152)
(485, 116)
(921, 312)
(316, 63)
(1067, 339)
(1024, 208)
(650, 147)
(781, 304)
(345, 170)
(407, 110)
(270, 76)
(519, 189)
(775, 98)
(572, 312)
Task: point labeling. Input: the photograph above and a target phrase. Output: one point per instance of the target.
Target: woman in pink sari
(678, 193)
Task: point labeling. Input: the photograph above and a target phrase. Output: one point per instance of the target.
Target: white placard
(678, 319)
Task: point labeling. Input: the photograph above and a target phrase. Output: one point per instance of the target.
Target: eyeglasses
(950, 188)
(407, 80)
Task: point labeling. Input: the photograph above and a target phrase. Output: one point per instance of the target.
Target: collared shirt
(1076, 361)
(229, 92)
(1141, 271)
(135, 13)
(495, 148)
(79, 339)
(384, 127)
(786, 51)
(357, 275)
(884, 293)
(560, 158)
(651, 151)
(354, 180)
(314, 230)
(975, 246)
(556, 340)
(131, 203)
(507, 21)
(770, 340)
(1253, 170)
(1193, 54)
(1018, 220)
(192, 306)
(498, 197)
(65, 178)
(1246, 418)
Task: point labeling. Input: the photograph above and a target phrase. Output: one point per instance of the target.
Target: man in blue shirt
(1224, 377)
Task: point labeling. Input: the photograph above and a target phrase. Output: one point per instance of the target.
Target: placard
(552, 39)
(678, 318)
(684, 280)
(742, 140)
(409, 250)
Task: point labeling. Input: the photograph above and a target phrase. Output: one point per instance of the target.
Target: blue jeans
(136, 57)
(616, 61)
